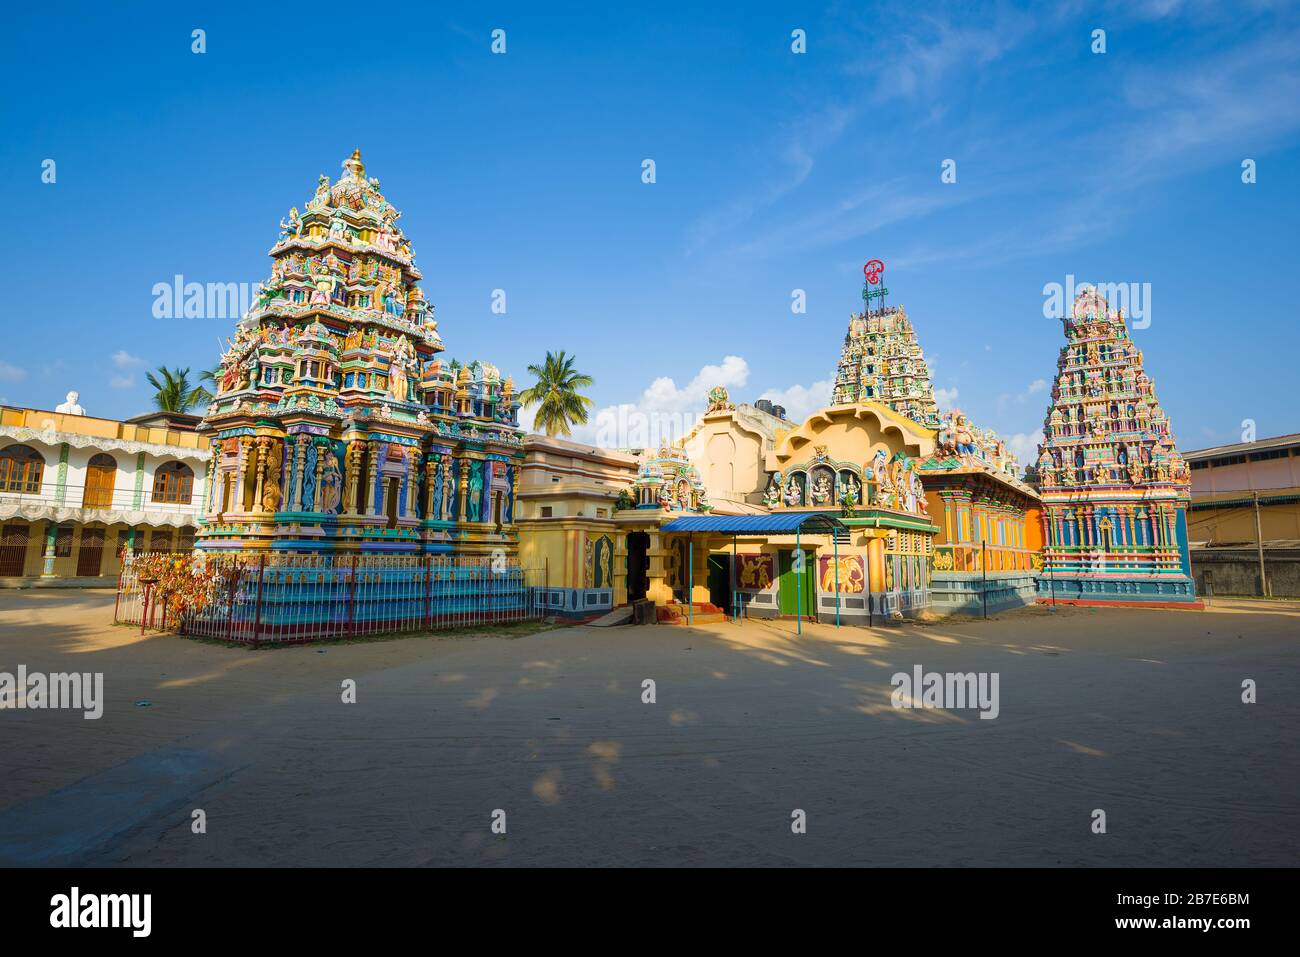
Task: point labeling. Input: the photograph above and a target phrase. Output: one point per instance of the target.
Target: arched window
(21, 468)
(100, 474)
(173, 483)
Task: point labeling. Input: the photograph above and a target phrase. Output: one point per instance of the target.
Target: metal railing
(299, 598)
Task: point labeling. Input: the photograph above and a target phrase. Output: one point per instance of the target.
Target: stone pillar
(372, 478)
(351, 468)
(260, 448)
(659, 591)
(462, 503)
(412, 485)
(317, 498)
(51, 532)
(299, 460)
(241, 472)
(514, 490)
(212, 498)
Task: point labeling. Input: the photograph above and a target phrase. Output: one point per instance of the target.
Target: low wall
(575, 602)
(1235, 571)
(964, 593)
(1118, 590)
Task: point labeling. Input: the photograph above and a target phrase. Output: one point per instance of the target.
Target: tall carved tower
(1114, 488)
(881, 361)
(336, 426)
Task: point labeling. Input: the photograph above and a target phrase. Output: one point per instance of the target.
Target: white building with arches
(76, 490)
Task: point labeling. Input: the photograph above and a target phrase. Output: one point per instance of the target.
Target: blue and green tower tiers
(1113, 486)
(336, 427)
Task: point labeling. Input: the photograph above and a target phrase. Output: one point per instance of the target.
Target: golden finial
(354, 165)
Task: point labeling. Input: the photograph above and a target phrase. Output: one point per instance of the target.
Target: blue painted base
(963, 593)
(1091, 590)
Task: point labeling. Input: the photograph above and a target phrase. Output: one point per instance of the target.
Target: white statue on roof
(70, 407)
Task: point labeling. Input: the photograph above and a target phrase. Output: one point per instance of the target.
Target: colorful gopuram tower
(336, 427)
(1113, 486)
(881, 361)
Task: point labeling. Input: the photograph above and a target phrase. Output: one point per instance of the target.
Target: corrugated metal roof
(1259, 445)
(757, 524)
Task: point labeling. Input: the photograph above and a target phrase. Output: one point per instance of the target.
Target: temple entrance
(90, 555)
(720, 582)
(390, 501)
(638, 564)
(13, 550)
(793, 599)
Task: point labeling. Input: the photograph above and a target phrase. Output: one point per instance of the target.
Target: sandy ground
(1136, 712)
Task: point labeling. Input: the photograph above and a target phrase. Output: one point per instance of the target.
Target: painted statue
(772, 497)
(821, 489)
(69, 405)
(475, 491)
(331, 484)
(294, 226)
(271, 483)
(849, 490)
(322, 286)
(793, 492)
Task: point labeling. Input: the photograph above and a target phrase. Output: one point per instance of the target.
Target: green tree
(556, 395)
(174, 392)
(209, 379)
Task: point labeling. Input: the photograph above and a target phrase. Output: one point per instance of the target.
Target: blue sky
(775, 172)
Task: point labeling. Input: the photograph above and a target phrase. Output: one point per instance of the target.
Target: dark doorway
(638, 563)
(91, 553)
(394, 490)
(13, 550)
(720, 582)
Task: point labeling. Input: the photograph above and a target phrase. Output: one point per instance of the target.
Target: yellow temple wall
(851, 433)
(729, 456)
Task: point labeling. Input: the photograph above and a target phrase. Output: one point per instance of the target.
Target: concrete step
(619, 616)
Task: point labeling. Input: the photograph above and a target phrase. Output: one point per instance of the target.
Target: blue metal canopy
(777, 522)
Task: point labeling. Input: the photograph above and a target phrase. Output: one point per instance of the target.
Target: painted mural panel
(754, 571)
(852, 574)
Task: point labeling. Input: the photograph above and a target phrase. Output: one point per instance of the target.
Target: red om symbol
(872, 270)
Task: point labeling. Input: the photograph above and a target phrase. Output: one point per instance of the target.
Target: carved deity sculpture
(331, 485)
(294, 226)
(793, 492)
(821, 489)
(772, 497)
(271, 484)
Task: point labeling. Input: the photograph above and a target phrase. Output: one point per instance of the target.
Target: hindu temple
(1114, 488)
(337, 425)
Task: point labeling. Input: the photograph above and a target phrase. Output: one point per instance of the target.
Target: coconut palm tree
(209, 382)
(555, 393)
(174, 392)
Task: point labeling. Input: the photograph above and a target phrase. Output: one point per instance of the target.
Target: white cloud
(801, 401)
(1024, 445)
(11, 373)
(664, 412)
(124, 360)
(946, 398)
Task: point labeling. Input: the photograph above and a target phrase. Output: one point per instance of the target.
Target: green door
(788, 584)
